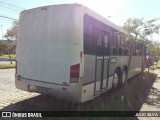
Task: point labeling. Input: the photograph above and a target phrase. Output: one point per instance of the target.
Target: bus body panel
(71, 92)
(49, 43)
(87, 92)
(135, 67)
(117, 61)
(89, 69)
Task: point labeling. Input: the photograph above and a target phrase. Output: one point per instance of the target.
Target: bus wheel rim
(123, 77)
(115, 79)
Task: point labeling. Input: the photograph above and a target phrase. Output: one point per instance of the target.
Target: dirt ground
(152, 102)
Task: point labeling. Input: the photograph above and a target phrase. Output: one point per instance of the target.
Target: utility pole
(2, 31)
(2, 37)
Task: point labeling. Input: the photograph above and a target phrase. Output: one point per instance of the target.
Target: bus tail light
(74, 73)
(81, 56)
(64, 83)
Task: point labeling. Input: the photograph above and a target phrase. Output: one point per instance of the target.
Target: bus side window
(140, 53)
(135, 53)
(120, 51)
(114, 51)
(106, 50)
(105, 41)
(99, 45)
(126, 52)
(99, 42)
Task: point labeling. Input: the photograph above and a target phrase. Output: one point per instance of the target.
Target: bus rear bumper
(71, 92)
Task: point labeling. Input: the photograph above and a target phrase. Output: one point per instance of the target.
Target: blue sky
(119, 10)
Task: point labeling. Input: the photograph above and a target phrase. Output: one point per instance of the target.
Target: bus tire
(116, 79)
(124, 73)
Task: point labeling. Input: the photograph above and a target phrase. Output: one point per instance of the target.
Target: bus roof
(86, 11)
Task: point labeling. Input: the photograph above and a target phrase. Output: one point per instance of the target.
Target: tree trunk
(9, 56)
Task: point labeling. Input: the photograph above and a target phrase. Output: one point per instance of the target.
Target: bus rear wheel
(123, 76)
(116, 79)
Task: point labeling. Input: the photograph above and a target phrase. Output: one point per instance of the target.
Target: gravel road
(9, 94)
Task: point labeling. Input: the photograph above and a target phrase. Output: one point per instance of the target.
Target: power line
(4, 6)
(3, 16)
(1, 21)
(5, 19)
(9, 9)
(15, 2)
(9, 4)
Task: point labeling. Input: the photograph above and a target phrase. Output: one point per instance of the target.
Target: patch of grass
(6, 55)
(7, 65)
(151, 70)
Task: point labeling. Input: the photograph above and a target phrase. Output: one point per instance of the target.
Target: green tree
(138, 30)
(10, 35)
(133, 27)
(12, 47)
(3, 47)
(154, 48)
(12, 32)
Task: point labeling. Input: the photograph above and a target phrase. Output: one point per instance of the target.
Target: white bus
(71, 52)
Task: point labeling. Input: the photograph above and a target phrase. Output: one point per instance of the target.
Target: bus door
(102, 62)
